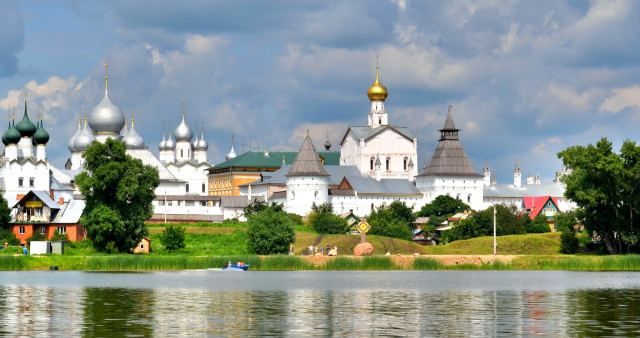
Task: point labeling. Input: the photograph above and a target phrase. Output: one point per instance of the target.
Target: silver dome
(202, 144)
(194, 144)
(84, 139)
(106, 117)
(72, 148)
(124, 130)
(170, 144)
(182, 131)
(232, 153)
(162, 146)
(133, 139)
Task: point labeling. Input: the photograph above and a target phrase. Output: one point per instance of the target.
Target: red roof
(538, 204)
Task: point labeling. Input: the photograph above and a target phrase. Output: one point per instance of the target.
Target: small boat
(235, 267)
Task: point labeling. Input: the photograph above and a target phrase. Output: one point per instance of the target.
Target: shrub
(569, 242)
(57, 236)
(173, 237)
(326, 223)
(295, 218)
(7, 236)
(269, 232)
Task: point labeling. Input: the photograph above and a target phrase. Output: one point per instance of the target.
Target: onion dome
(202, 144)
(133, 139)
(377, 91)
(162, 146)
(232, 153)
(183, 132)
(25, 126)
(170, 144)
(327, 143)
(106, 117)
(194, 144)
(41, 136)
(13, 135)
(84, 139)
(4, 135)
(124, 129)
(70, 144)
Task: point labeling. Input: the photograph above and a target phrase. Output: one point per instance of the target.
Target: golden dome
(377, 91)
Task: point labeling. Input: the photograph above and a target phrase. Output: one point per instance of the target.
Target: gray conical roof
(202, 143)
(84, 139)
(449, 159)
(307, 162)
(170, 144)
(232, 153)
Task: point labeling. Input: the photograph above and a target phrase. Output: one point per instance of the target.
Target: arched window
(469, 198)
(404, 163)
(371, 160)
(388, 160)
(458, 196)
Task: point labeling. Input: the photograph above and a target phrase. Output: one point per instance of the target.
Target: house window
(371, 160)
(21, 182)
(62, 230)
(404, 163)
(388, 160)
(141, 246)
(469, 198)
(204, 187)
(32, 182)
(187, 187)
(181, 152)
(21, 231)
(42, 230)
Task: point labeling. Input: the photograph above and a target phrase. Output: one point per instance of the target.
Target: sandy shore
(407, 260)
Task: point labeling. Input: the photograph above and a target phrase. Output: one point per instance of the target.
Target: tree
(385, 223)
(270, 232)
(258, 206)
(537, 225)
(7, 236)
(119, 191)
(5, 213)
(569, 243)
(605, 186)
(328, 223)
(402, 212)
(173, 237)
(57, 236)
(443, 206)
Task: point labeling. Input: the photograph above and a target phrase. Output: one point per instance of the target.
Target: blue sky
(526, 78)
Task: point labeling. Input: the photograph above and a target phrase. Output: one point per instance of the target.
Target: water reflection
(29, 310)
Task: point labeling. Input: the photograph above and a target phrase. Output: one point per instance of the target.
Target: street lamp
(495, 243)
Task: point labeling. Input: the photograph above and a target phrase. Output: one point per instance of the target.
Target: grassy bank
(290, 263)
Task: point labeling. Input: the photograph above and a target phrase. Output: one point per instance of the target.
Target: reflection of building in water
(177, 312)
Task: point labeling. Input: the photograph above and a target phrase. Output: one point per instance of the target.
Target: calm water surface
(302, 303)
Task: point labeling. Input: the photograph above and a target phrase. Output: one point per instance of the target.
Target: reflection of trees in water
(116, 311)
(603, 312)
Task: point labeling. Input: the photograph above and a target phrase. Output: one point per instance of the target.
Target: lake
(323, 303)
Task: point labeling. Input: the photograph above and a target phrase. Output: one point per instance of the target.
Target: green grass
(426, 264)
(284, 263)
(360, 263)
(530, 244)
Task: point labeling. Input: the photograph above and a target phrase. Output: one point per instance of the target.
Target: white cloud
(621, 99)
(508, 41)
(402, 4)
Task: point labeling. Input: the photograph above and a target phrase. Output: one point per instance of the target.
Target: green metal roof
(273, 159)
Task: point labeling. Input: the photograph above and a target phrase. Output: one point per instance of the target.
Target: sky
(526, 79)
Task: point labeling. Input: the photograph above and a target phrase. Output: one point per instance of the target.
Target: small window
(21, 230)
(32, 182)
(141, 246)
(187, 187)
(21, 182)
(388, 160)
(204, 187)
(181, 152)
(371, 160)
(404, 163)
(62, 230)
(42, 230)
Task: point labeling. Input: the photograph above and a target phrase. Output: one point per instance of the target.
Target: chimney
(51, 193)
(61, 201)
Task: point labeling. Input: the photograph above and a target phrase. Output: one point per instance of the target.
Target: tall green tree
(385, 223)
(604, 185)
(119, 191)
(443, 206)
(270, 232)
(5, 213)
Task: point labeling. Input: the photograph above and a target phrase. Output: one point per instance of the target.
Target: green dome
(4, 135)
(26, 127)
(41, 136)
(12, 135)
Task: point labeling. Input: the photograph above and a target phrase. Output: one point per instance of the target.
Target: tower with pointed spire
(395, 146)
(450, 172)
(307, 180)
(517, 175)
(486, 172)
